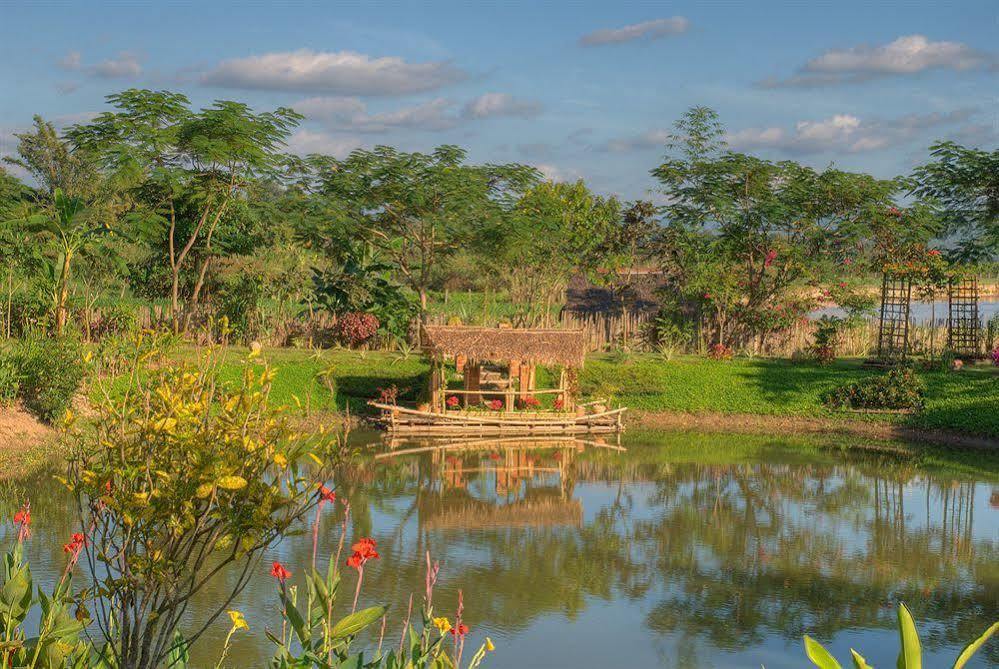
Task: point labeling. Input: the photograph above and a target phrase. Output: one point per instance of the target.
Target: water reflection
(667, 550)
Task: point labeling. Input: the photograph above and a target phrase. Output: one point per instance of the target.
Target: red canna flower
(73, 548)
(460, 630)
(326, 495)
(452, 401)
(364, 550)
(279, 572)
(23, 521)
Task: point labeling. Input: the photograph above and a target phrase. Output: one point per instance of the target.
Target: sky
(579, 89)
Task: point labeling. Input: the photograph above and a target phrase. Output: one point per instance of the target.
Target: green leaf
(302, 631)
(910, 656)
(973, 647)
(819, 656)
(356, 622)
(179, 654)
(858, 660)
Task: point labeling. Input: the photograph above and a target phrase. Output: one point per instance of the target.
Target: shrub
(8, 382)
(355, 328)
(720, 352)
(827, 334)
(995, 357)
(114, 320)
(49, 373)
(899, 388)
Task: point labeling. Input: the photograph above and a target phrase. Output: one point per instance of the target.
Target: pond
(674, 550)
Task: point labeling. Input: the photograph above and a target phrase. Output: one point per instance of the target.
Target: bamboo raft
(397, 419)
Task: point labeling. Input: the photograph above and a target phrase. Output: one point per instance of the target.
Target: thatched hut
(502, 362)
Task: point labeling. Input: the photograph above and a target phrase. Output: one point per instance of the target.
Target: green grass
(967, 401)
(964, 402)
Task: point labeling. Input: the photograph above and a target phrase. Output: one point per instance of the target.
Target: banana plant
(910, 653)
(75, 233)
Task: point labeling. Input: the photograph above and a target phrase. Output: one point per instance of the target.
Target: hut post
(437, 389)
(563, 395)
(473, 375)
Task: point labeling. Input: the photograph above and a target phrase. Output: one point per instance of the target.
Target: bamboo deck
(398, 419)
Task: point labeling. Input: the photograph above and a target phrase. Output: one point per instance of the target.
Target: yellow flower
(280, 460)
(489, 645)
(204, 490)
(140, 497)
(238, 621)
(442, 624)
(231, 482)
(87, 357)
(255, 349)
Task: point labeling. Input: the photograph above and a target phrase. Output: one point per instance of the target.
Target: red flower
(75, 545)
(460, 631)
(496, 405)
(707, 296)
(279, 572)
(326, 495)
(559, 404)
(842, 284)
(23, 521)
(847, 261)
(771, 256)
(364, 550)
(532, 402)
(935, 252)
(452, 401)
(494, 456)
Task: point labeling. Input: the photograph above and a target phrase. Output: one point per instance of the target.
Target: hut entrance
(893, 325)
(963, 323)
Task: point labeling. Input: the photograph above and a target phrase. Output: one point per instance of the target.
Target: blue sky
(581, 89)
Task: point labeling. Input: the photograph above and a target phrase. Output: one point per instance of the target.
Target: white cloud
(651, 30)
(125, 65)
(339, 72)
(351, 113)
(500, 104)
(555, 173)
(843, 133)
(304, 141)
(907, 55)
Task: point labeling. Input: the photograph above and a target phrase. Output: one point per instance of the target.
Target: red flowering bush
(530, 403)
(495, 405)
(720, 352)
(452, 401)
(388, 395)
(355, 328)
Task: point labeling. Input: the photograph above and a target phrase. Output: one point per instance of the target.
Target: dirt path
(788, 425)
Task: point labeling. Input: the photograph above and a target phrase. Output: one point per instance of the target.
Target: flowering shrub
(355, 328)
(720, 352)
(530, 403)
(452, 401)
(495, 405)
(388, 395)
(899, 388)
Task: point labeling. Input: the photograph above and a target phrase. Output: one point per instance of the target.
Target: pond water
(925, 312)
(672, 550)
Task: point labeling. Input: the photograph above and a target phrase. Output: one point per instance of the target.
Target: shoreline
(792, 425)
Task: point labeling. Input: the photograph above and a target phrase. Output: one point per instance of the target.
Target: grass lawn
(967, 401)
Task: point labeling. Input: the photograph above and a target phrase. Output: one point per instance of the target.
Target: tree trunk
(63, 293)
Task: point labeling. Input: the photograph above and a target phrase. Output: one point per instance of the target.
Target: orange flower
(364, 550)
(460, 631)
(23, 521)
(326, 495)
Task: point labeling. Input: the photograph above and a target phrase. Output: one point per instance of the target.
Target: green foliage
(183, 475)
(962, 186)
(910, 652)
(9, 381)
(897, 389)
(49, 373)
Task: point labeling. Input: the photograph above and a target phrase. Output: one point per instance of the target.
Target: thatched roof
(546, 347)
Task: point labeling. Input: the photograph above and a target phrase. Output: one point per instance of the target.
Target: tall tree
(419, 209)
(52, 164)
(559, 229)
(962, 185)
(741, 230)
(185, 167)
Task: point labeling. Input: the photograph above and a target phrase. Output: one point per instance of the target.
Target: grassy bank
(964, 402)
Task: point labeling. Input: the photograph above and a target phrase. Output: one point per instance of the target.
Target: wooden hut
(498, 391)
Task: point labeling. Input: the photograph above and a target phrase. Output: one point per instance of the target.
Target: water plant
(910, 652)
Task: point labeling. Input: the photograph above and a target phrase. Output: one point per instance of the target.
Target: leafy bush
(899, 388)
(356, 328)
(720, 352)
(8, 382)
(49, 372)
(114, 320)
